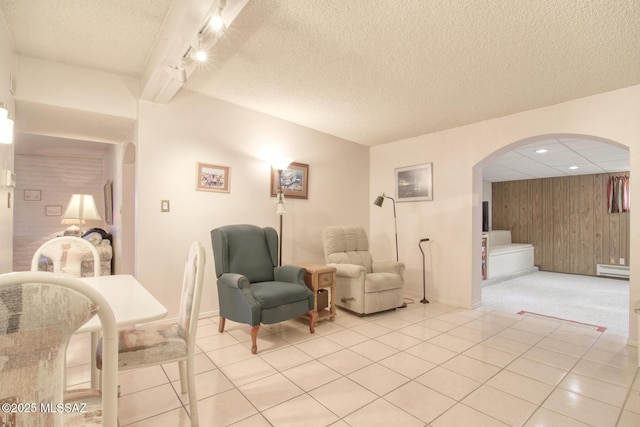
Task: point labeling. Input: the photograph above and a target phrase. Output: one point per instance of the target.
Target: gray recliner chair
(363, 286)
(252, 288)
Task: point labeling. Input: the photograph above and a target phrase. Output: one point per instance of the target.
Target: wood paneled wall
(565, 219)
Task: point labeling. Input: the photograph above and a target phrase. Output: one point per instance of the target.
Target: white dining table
(131, 304)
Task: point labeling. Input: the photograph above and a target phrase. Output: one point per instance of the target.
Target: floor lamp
(280, 165)
(424, 299)
(378, 202)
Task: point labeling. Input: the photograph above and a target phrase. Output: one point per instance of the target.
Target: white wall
(453, 219)
(7, 65)
(76, 88)
(194, 128)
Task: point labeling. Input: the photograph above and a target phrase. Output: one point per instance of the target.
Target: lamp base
(424, 301)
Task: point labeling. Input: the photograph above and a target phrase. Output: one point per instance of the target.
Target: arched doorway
(573, 231)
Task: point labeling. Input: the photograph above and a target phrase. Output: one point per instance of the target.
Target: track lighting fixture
(207, 36)
(178, 73)
(216, 21)
(200, 55)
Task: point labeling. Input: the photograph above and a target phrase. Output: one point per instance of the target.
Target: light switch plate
(164, 206)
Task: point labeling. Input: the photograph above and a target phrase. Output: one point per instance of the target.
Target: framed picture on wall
(295, 181)
(31, 195)
(414, 183)
(53, 210)
(212, 177)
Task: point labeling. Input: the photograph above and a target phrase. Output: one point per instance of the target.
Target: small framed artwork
(32, 195)
(414, 183)
(53, 210)
(108, 202)
(295, 181)
(213, 178)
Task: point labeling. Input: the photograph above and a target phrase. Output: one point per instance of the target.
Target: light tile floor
(424, 365)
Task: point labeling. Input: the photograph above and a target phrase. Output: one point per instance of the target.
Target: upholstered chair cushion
(273, 294)
(347, 245)
(149, 345)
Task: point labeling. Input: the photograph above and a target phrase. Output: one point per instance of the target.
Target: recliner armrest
(289, 273)
(388, 267)
(233, 280)
(349, 270)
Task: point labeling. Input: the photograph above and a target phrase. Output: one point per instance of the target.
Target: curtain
(618, 199)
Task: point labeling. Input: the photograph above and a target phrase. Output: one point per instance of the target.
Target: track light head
(216, 22)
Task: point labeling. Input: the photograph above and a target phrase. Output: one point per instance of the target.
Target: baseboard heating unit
(619, 271)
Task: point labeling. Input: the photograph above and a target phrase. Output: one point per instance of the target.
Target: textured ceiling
(376, 71)
(369, 71)
(110, 35)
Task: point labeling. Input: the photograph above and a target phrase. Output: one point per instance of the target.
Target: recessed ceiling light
(541, 150)
(574, 167)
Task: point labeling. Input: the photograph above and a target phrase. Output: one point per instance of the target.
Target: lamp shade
(379, 201)
(81, 207)
(280, 163)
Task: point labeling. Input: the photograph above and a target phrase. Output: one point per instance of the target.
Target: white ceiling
(369, 71)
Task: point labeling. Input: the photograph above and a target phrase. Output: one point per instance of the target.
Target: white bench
(506, 258)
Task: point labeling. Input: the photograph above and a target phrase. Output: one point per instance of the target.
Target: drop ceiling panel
(591, 157)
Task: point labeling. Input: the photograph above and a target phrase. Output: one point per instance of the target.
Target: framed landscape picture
(212, 178)
(295, 181)
(414, 183)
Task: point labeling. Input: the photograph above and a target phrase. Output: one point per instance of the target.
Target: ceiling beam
(185, 19)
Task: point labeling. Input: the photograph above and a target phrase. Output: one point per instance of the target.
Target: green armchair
(252, 288)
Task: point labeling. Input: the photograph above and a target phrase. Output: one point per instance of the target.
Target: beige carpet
(596, 301)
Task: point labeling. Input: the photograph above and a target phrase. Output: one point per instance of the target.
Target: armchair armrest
(289, 273)
(233, 280)
(349, 270)
(388, 267)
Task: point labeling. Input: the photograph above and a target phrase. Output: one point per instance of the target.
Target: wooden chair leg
(313, 318)
(221, 324)
(254, 338)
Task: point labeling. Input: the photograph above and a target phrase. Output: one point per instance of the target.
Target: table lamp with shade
(81, 208)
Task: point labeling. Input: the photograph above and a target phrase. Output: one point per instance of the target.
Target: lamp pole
(378, 202)
(280, 211)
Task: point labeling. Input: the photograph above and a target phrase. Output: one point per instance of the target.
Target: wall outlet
(164, 206)
(612, 261)
(621, 261)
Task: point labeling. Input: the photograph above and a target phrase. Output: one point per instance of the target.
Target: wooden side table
(321, 277)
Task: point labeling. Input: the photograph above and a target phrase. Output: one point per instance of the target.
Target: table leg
(332, 302)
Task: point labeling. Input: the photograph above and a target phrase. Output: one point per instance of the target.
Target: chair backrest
(191, 291)
(346, 245)
(67, 253)
(39, 311)
(245, 249)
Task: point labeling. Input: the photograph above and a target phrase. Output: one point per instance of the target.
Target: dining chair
(39, 312)
(154, 344)
(66, 254)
